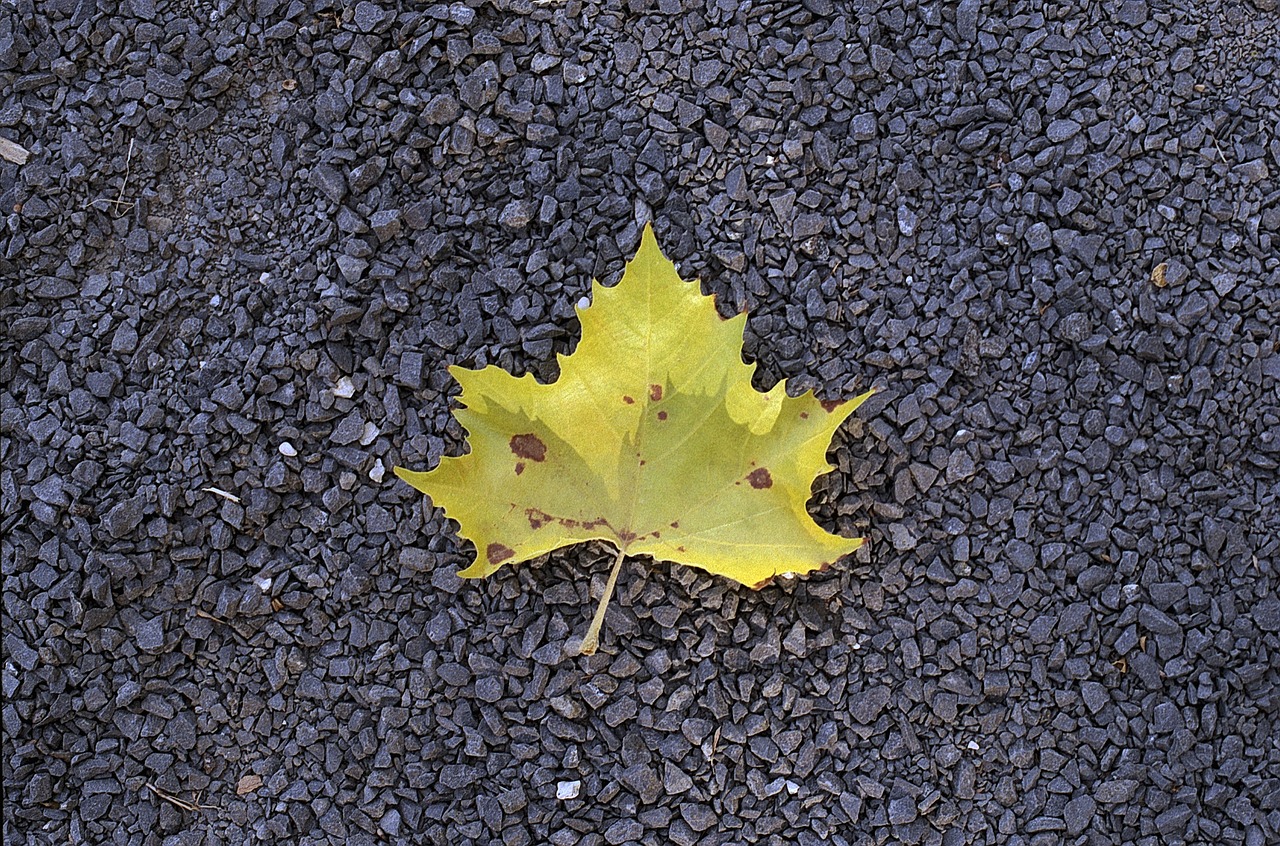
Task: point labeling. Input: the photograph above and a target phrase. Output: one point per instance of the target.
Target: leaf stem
(592, 638)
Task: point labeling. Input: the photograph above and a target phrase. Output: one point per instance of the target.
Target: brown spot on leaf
(760, 478)
(655, 392)
(519, 467)
(628, 400)
(529, 446)
(679, 549)
(804, 415)
(497, 553)
(662, 415)
(675, 524)
(626, 536)
(829, 405)
(569, 523)
(537, 518)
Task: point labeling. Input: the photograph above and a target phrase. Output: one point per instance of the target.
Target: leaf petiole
(592, 639)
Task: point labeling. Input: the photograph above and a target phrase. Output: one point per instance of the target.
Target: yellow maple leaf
(652, 439)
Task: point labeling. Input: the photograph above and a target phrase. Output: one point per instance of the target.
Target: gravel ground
(250, 237)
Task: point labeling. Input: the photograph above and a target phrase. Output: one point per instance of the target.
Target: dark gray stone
(150, 635)
(1266, 614)
(1155, 620)
(442, 109)
(124, 517)
(1116, 791)
(1133, 12)
(1078, 814)
(330, 182)
(623, 831)
(868, 704)
(489, 689)
(1062, 130)
(864, 127)
(1039, 237)
(516, 215)
(902, 810)
(352, 268)
(1173, 821)
(697, 816)
(967, 19)
(20, 652)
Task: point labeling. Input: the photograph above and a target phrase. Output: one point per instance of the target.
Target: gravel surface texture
(250, 236)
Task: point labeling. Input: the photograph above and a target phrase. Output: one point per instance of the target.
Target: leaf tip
(863, 397)
(416, 479)
(649, 248)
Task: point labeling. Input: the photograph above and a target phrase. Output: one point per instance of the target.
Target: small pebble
(344, 388)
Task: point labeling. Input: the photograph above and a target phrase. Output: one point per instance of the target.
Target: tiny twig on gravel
(208, 616)
(120, 204)
(181, 803)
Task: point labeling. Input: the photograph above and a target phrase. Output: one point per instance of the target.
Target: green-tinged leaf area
(652, 439)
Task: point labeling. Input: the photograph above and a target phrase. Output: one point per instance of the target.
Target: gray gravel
(250, 237)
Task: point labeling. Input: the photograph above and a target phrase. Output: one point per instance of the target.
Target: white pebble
(286, 449)
(907, 221)
(377, 472)
(584, 304)
(371, 433)
(345, 388)
(568, 789)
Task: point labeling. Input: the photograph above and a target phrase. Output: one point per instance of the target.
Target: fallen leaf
(652, 439)
(248, 784)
